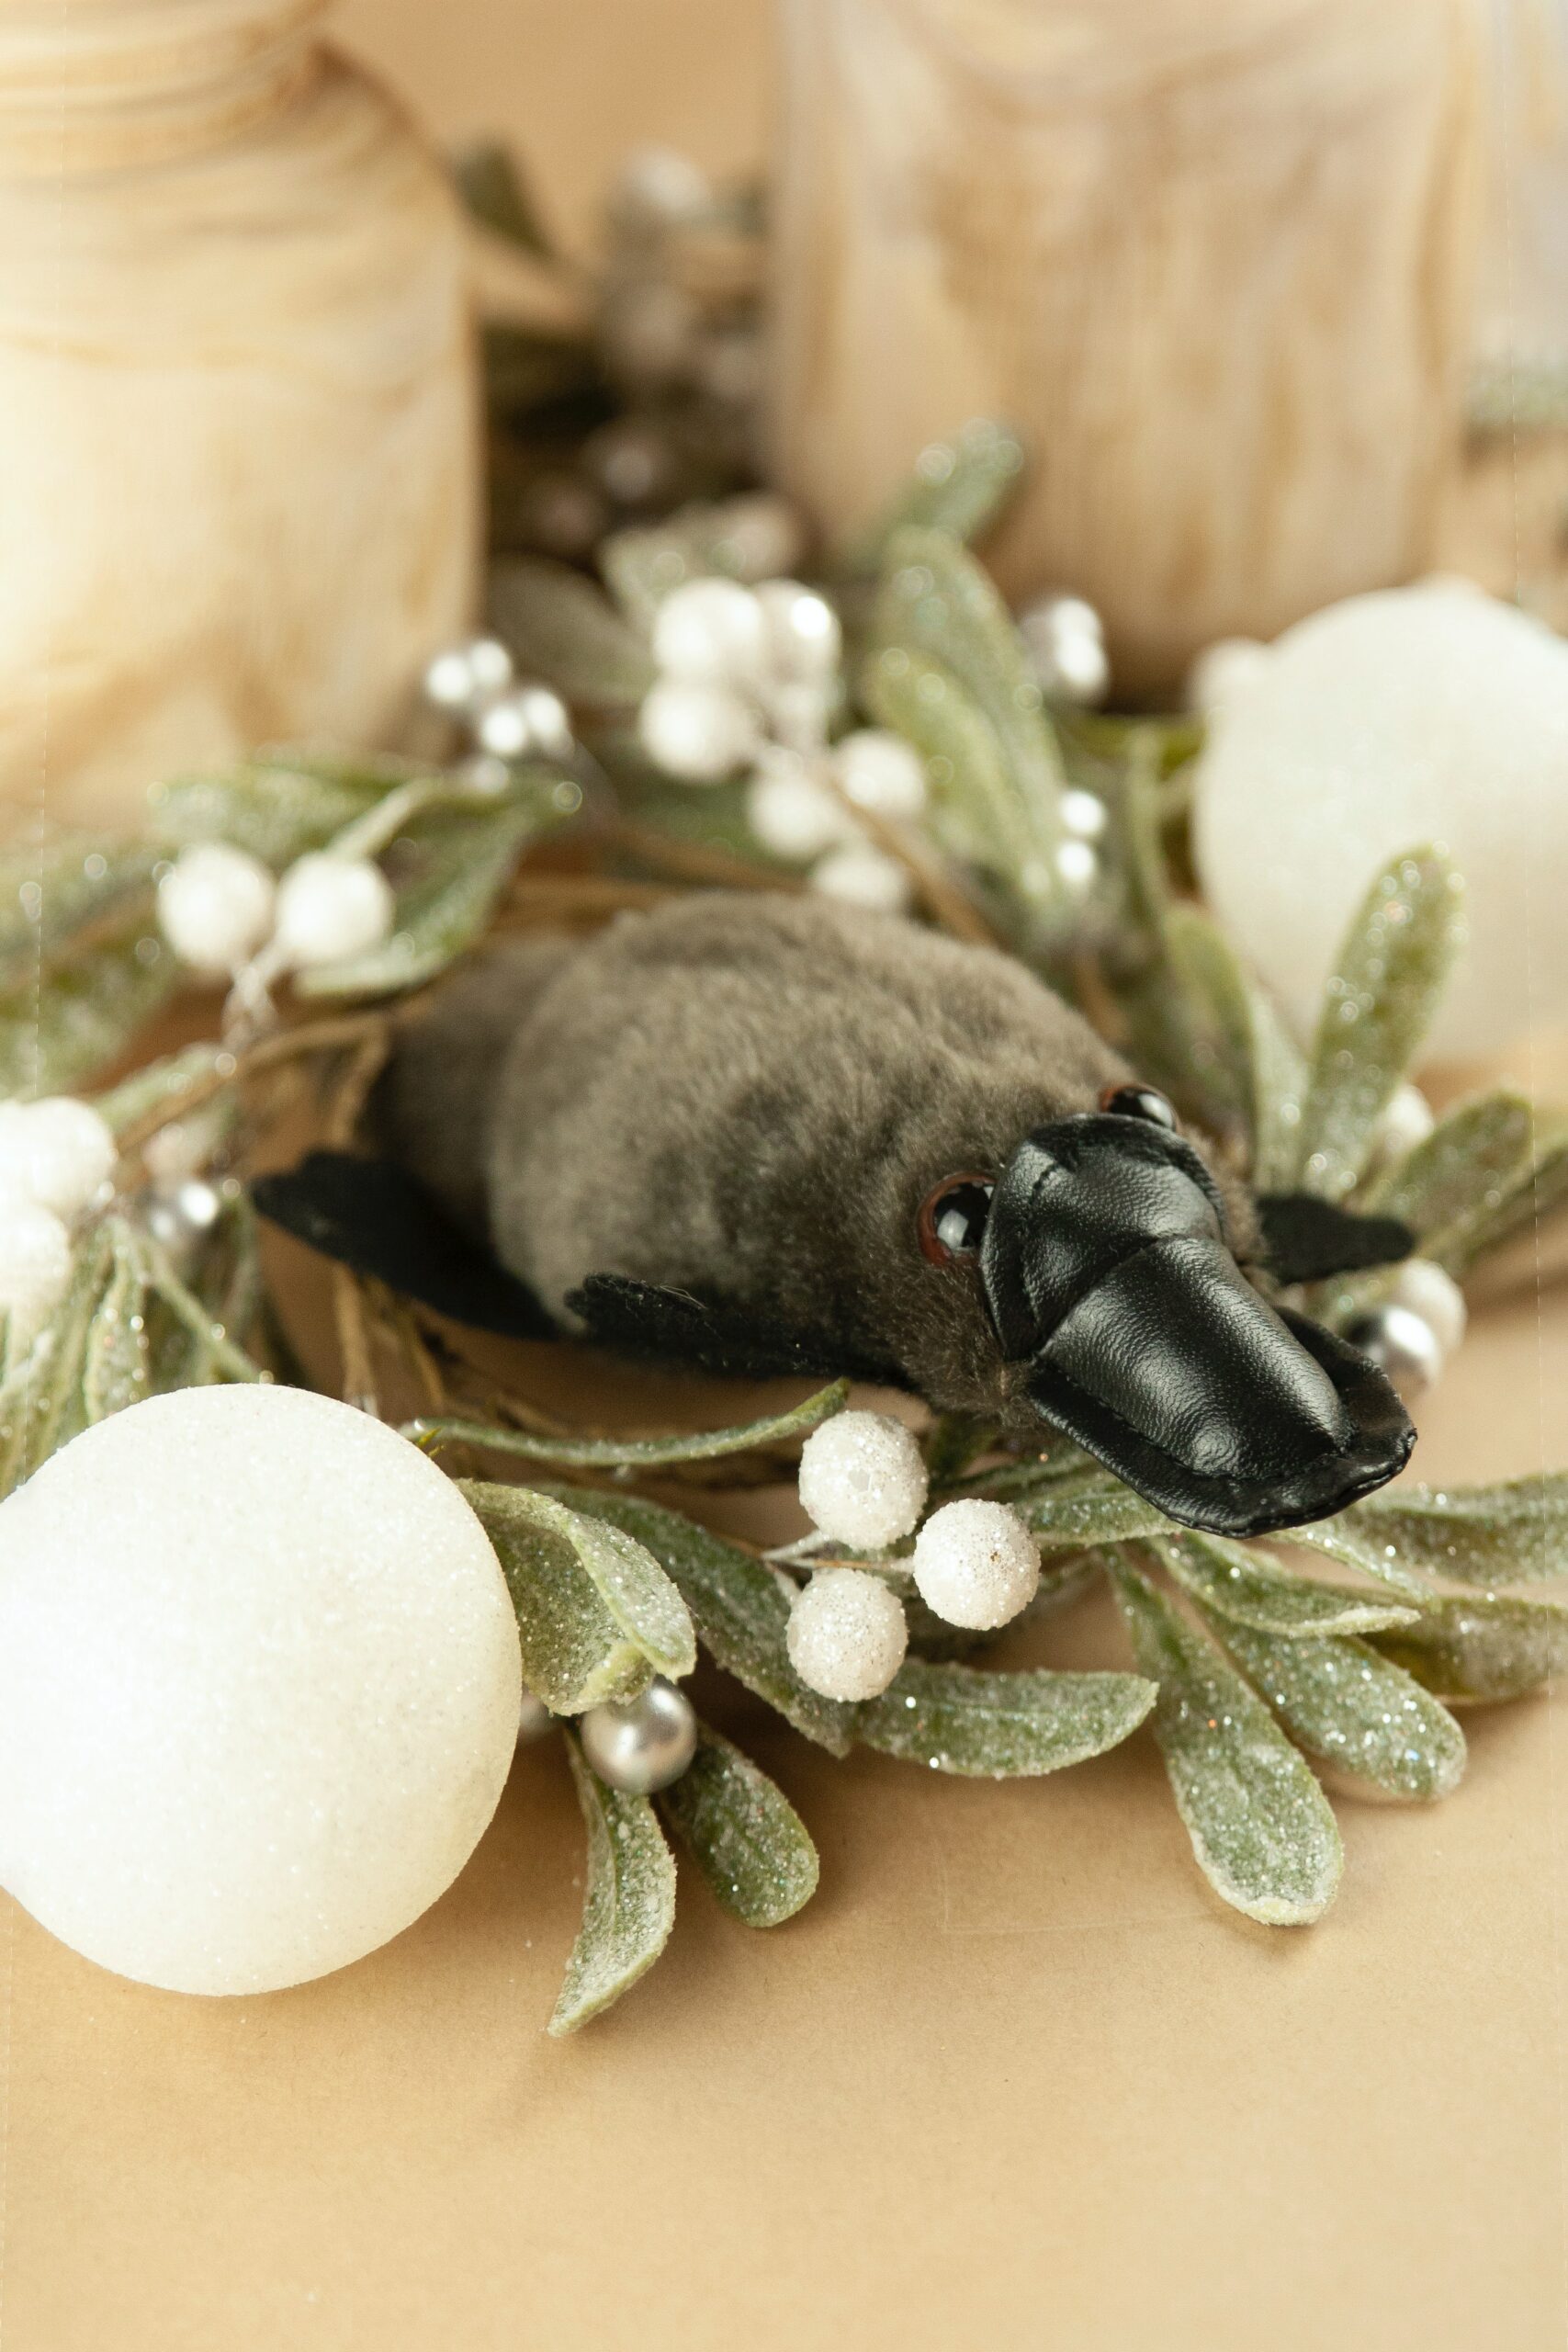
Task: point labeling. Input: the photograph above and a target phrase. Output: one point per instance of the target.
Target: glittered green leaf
(1534, 1195)
(1076, 1510)
(975, 813)
(739, 1606)
(1356, 1711)
(1481, 1647)
(1245, 1585)
(637, 1453)
(745, 1836)
(562, 628)
(935, 599)
(114, 1366)
(158, 1085)
(1356, 1542)
(1267, 1070)
(46, 1409)
(1380, 997)
(1448, 1187)
(596, 1612)
(958, 486)
(1261, 1828)
(55, 891)
(1000, 1726)
(89, 1010)
(278, 805)
(461, 865)
(629, 1904)
(495, 192)
(1515, 1532)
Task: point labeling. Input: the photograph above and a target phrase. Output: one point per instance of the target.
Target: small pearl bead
(644, 1744)
(862, 1480)
(463, 676)
(35, 1266)
(711, 633)
(330, 908)
(847, 1634)
(1229, 667)
(881, 772)
(1407, 1121)
(57, 1153)
(700, 734)
(215, 907)
(1403, 1344)
(863, 875)
(801, 630)
(1084, 814)
(1431, 1292)
(530, 719)
(975, 1564)
(791, 813)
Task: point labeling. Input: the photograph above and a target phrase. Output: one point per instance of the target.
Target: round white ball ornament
(1426, 713)
(259, 1688)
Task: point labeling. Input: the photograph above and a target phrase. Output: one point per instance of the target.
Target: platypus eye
(1138, 1103)
(953, 1218)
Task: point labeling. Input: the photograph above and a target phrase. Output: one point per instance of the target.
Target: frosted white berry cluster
(221, 910)
(863, 1485)
(749, 683)
(57, 1156)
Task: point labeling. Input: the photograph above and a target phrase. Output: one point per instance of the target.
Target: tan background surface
(1014, 2079)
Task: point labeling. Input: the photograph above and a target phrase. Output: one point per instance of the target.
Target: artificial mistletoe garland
(1252, 1667)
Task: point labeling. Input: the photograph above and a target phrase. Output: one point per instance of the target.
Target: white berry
(801, 630)
(711, 633)
(1432, 1293)
(330, 908)
(57, 1153)
(528, 719)
(1066, 643)
(215, 907)
(791, 813)
(975, 1564)
(700, 734)
(847, 1634)
(862, 1480)
(1407, 1121)
(882, 773)
(465, 676)
(863, 876)
(35, 1266)
(1084, 814)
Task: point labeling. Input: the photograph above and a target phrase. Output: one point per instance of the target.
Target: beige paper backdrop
(1013, 2080)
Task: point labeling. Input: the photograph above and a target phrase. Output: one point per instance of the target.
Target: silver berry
(1402, 1345)
(643, 1744)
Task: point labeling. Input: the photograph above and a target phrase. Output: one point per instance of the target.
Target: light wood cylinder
(238, 402)
(1213, 257)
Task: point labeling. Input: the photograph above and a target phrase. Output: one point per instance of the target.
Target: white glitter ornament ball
(975, 1564)
(881, 772)
(862, 1480)
(56, 1152)
(698, 734)
(847, 1633)
(330, 907)
(711, 633)
(1431, 1292)
(1427, 714)
(863, 875)
(35, 1265)
(215, 907)
(259, 1688)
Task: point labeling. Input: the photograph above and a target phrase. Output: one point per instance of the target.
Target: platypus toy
(763, 1134)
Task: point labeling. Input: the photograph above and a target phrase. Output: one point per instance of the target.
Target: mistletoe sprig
(1340, 1648)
